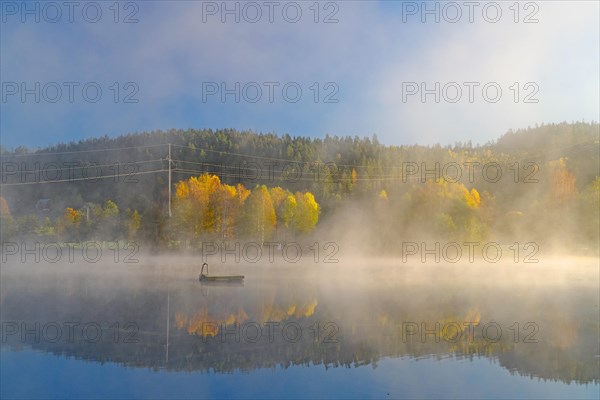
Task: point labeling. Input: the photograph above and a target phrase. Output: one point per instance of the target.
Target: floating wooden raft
(218, 278)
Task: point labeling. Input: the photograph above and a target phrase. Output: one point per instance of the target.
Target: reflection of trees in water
(207, 323)
(567, 337)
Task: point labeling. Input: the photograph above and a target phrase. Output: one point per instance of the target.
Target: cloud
(368, 54)
(556, 54)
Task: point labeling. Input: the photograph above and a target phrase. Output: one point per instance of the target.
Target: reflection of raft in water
(206, 278)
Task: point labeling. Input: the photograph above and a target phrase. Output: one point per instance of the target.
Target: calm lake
(357, 329)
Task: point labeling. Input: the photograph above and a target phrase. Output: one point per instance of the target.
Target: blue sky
(368, 61)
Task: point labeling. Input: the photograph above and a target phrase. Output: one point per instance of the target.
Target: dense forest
(177, 188)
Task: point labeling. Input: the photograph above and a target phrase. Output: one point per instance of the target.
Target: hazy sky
(374, 61)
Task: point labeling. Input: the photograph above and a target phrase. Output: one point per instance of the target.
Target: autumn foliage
(205, 208)
(4, 209)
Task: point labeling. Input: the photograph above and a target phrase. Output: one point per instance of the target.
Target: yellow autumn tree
(288, 210)
(185, 219)
(134, 222)
(278, 195)
(472, 198)
(8, 227)
(224, 204)
(307, 212)
(73, 217)
(562, 182)
(447, 209)
(109, 223)
(210, 186)
(242, 194)
(259, 215)
(284, 209)
(68, 227)
(589, 213)
(205, 207)
(195, 213)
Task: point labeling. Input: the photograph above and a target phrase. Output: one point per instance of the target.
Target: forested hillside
(228, 184)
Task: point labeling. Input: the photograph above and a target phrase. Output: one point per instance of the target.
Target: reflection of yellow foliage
(230, 320)
(4, 210)
(307, 310)
(566, 336)
(472, 317)
(238, 318)
(242, 316)
(266, 311)
(206, 329)
(204, 324)
(383, 319)
(199, 325)
(180, 320)
(273, 313)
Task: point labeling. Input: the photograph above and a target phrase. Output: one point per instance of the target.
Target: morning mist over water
(363, 314)
(299, 200)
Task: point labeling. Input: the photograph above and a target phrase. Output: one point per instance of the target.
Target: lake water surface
(359, 329)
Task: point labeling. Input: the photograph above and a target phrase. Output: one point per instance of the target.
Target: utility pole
(224, 220)
(169, 161)
(262, 226)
